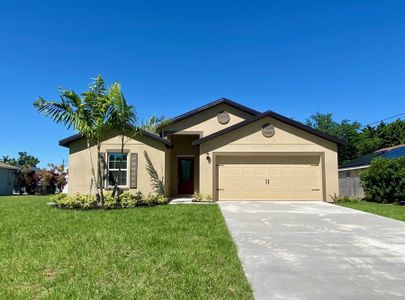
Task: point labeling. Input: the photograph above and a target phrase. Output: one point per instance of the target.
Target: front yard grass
(172, 251)
(386, 210)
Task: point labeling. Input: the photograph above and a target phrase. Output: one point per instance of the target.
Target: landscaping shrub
(154, 199)
(125, 200)
(335, 198)
(208, 198)
(109, 201)
(77, 201)
(384, 180)
(197, 197)
(128, 200)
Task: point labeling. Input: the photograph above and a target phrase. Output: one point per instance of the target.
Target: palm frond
(157, 182)
(155, 124)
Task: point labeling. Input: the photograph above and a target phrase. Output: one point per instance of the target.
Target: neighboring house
(7, 177)
(349, 172)
(222, 149)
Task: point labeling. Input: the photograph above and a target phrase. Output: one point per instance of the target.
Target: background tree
(360, 140)
(381, 136)
(9, 160)
(345, 130)
(23, 159)
(155, 124)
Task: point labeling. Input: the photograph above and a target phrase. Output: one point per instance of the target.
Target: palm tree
(73, 112)
(89, 114)
(123, 119)
(155, 124)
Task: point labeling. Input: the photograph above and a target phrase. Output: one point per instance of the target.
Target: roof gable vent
(223, 117)
(268, 130)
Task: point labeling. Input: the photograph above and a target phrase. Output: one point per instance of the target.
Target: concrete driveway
(315, 250)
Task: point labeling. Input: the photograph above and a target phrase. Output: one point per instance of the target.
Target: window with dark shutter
(117, 169)
(133, 171)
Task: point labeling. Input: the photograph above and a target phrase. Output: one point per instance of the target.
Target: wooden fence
(350, 187)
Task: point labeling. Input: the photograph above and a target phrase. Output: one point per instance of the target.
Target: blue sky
(294, 57)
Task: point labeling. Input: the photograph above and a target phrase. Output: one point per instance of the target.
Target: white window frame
(108, 169)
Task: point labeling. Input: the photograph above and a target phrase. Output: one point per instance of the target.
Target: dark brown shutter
(103, 168)
(133, 171)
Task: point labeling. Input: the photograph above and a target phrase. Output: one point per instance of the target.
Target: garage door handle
(315, 189)
(220, 189)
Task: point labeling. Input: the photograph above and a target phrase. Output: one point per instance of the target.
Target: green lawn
(173, 251)
(386, 210)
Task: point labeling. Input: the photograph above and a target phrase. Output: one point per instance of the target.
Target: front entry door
(185, 175)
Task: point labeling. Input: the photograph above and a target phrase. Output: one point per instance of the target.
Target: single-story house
(7, 178)
(349, 172)
(222, 149)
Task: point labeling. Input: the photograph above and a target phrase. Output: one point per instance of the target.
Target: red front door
(185, 175)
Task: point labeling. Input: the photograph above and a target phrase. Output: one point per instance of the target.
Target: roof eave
(66, 141)
(210, 105)
(274, 115)
(353, 168)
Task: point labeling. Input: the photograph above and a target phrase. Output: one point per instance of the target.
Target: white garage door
(269, 178)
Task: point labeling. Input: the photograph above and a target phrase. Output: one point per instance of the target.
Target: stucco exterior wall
(287, 140)
(206, 122)
(80, 166)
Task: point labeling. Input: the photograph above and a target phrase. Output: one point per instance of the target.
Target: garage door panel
(276, 178)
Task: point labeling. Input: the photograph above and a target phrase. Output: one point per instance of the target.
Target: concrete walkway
(315, 250)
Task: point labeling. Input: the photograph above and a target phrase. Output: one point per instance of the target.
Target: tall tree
(9, 160)
(345, 130)
(381, 136)
(23, 159)
(123, 119)
(82, 113)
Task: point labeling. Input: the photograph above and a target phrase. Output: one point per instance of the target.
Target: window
(348, 174)
(115, 160)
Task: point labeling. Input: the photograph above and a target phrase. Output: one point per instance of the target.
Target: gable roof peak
(212, 104)
(272, 114)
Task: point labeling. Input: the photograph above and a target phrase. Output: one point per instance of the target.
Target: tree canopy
(23, 159)
(360, 139)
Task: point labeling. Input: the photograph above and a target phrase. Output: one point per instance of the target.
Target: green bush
(58, 198)
(335, 198)
(198, 197)
(161, 199)
(77, 201)
(125, 200)
(154, 199)
(384, 180)
(110, 201)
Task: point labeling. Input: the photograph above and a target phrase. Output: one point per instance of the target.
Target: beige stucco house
(223, 149)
